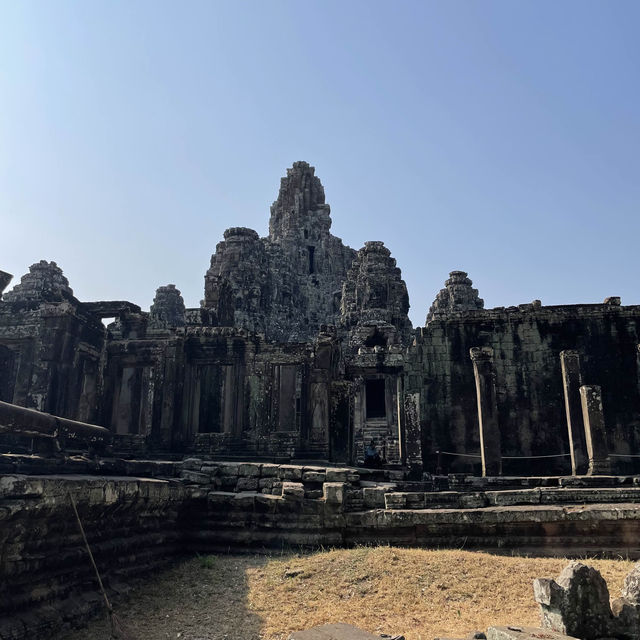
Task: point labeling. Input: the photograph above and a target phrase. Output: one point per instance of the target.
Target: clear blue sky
(501, 138)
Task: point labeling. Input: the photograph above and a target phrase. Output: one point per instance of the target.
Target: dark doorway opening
(376, 407)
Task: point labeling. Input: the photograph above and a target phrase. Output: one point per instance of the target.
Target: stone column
(413, 435)
(571, 383)
(490, 446)
(594, 430)
(402, 433)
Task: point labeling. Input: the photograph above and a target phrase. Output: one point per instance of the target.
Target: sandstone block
(313, 476)
(395, 501)
(293, 490)
(290, 472)
(524, 633)
(334, 492)
(229, 469)
(269, 470)
(373, 497)
(248, 469)
(247, 484)
(336, 475)
(196, 477)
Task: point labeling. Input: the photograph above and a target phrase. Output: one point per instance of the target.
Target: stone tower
(458, 295)
(374, 295)
(288, 284)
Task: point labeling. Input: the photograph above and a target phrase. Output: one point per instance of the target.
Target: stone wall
(47, 580)
(138, 515)
(526, 342)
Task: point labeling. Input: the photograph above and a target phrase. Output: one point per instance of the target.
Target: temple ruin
(302, 349)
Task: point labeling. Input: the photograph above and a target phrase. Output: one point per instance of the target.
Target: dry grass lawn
(420, 593)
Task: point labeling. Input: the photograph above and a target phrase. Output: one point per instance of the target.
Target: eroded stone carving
(458, 295)
(577, 603)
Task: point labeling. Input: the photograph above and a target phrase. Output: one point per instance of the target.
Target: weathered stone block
(247, 484)
(293, 491)
(269, 470)
(334, 492)
(337, 475)
(373, 497)
(395, 501)
(524, 633)
(248, 469)
(313, 476)
(290, 472)
(229, 469)
(195, 476)
(576, 604)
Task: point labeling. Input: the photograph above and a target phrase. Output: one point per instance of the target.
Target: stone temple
(302, 349)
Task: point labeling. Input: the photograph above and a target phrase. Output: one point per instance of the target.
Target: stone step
(507, 498)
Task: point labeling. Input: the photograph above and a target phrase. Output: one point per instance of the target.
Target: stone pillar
(594, 430)
(571, 383)
(402, 433)
(490, 446)
(413, 435)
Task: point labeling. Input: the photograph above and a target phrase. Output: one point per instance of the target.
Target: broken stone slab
(525, 633)
(334, 631)
(576, 604)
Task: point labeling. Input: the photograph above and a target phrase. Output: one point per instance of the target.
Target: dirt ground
(419, 593)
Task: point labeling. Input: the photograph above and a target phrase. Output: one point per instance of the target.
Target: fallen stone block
(335, 631)
(525, 633)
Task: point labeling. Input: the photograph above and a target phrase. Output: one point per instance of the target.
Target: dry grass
(419, 593)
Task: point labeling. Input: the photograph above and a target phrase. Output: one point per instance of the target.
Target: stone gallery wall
(527, 342)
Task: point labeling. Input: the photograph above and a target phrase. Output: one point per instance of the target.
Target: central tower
(288, 284)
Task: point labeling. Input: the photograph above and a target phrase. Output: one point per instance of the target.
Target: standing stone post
(571, 383)
(490, 446)
(402, 433)
(594, 430)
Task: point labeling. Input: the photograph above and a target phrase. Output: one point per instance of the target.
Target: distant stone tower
(458, 295)
(375, 295)
(167, 310)
(45, 282)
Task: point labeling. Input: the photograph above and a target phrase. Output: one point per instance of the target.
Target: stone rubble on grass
(578, 604)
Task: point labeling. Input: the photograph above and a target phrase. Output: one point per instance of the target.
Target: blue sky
(501, 138)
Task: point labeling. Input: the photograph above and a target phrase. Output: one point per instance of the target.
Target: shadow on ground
(203, 598)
